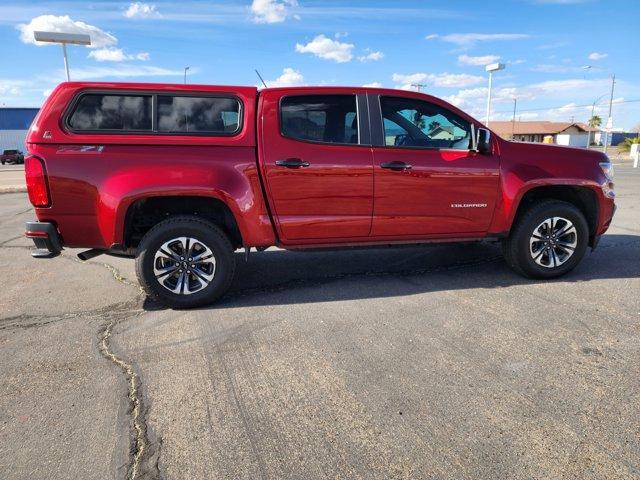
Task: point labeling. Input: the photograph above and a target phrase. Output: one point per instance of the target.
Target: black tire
(209, 235)
(518, 251)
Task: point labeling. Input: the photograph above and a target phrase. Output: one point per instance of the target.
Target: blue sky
(443, 45)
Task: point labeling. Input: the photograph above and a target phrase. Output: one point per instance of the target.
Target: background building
(14, 123)
(563, 133)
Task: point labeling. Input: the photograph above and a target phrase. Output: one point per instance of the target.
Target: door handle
(395, 165)
(292, 163)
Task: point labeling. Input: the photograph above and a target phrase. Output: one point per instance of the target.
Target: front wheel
(548, 241)
(185, 262)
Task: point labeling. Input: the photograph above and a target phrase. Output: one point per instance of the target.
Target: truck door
(428, 181)
(317, 164)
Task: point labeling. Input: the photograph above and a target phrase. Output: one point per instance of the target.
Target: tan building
(562, 133)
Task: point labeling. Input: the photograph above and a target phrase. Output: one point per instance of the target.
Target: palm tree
(595, 121)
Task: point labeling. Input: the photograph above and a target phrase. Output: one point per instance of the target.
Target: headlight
(607, 187)
(607, 169)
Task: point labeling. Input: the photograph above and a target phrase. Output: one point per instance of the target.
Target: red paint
(330, 199)
(344, 197)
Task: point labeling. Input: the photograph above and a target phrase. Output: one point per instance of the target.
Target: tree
(626, 145)
(595, 121)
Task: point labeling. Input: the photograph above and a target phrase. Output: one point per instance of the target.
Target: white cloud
(272, 11)
(53, 23)
(405, 82)
(141, 10)
(470, 39)
(598, 56)
(571, 85)
(478, 61)
(555, 68)
(10, 87)
(371, 57)
(328, 49)
(289, 78)
(474, 100)
(47, 92)
(432, 36)
(124, 71)
(116, 55)
(373, 85)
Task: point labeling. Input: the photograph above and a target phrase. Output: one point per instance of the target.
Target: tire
(530, 253)
(202, 285)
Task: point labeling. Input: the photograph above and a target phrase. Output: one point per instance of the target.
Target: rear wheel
(185, 262)
(549, 240)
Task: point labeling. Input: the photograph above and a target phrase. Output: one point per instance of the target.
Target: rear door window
(320, 118)
(215, 115)
(112, 113)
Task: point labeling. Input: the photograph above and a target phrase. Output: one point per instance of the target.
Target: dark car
(12, 156)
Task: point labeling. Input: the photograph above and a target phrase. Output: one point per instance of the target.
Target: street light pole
(66, 61)
(185, 74)
(609, 119)
(494, 67)
(513, 120)
(63, 39)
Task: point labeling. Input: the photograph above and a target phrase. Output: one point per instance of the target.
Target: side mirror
(483, 141)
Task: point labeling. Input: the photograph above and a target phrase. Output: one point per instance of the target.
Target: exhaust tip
(89, 254)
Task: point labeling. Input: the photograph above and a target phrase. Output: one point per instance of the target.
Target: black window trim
(154, 94)
(362, 109)
(375, 107)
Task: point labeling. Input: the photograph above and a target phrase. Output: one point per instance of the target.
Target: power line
(566, 106)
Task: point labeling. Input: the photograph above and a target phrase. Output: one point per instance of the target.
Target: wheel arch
(145, 212)
(582, 197)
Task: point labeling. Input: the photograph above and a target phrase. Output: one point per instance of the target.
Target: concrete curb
(13, 189)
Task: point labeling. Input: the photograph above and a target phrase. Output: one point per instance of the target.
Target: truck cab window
(320, 118)
(419, 124)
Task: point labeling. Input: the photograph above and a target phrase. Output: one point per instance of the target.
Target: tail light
(36, 182)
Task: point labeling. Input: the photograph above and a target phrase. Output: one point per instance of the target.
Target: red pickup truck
(180, 176)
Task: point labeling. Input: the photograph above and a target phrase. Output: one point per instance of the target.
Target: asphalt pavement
(414, 362)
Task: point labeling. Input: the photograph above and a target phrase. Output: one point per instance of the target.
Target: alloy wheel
(553, 242)
(184, 265)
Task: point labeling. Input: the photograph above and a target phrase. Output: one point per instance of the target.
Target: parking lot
(415, 362)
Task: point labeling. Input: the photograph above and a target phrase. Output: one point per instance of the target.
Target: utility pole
(418, 86)
(609, 120)
(513, 119)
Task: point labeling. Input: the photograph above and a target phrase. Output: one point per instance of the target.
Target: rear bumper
(45, 237)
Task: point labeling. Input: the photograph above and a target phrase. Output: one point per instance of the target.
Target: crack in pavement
(17, 321)
(144, 454)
